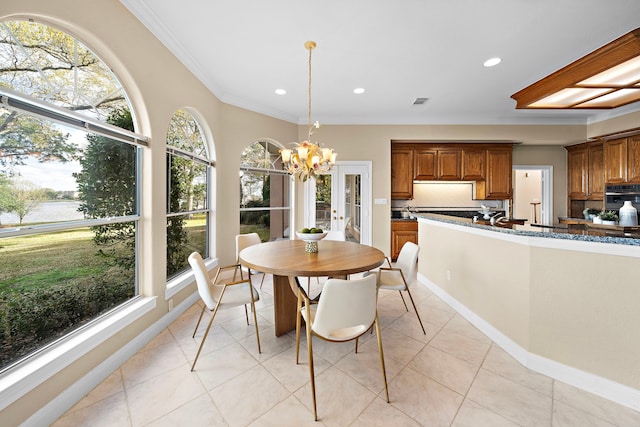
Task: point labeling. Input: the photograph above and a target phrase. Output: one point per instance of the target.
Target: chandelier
(308, 159)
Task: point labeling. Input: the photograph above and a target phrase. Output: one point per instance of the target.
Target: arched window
(188, 171)
(265, 203)
(68, 189)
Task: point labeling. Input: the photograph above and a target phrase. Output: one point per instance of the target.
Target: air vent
(420, 101)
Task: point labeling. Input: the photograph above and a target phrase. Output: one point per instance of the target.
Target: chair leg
(199, 319)
(262, 280)
(246, 314)
(414, 307)
(206, 333)
(312, 376)
(403, 301)
(255, 320)
(384, 371)
(298, 323)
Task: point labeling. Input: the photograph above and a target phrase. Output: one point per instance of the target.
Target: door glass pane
(323, 202)
(351, 209)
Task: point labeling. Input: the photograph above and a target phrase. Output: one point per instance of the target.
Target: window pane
(50, 284)
(52, 173)
(186, 184)
(185, 234)
(187, 191)
(264, 192)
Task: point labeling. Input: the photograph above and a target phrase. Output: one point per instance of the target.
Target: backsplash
(444, 195)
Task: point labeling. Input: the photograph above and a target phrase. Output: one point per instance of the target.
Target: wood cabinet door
(426, 164)
(595, 177)
(473, 162)
(498, 181)
(449, 165)
(633, 159)
(615, 160)
(402, 232)
(578, 166)
(401, 173)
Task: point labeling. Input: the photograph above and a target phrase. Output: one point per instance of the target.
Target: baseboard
(73, 394)
(603, 387)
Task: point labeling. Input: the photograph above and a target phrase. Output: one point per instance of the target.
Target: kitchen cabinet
(497, 183)
(401, 173)
(402, 231)
(489, 164)
(622, 159)
(615, 158)
(585, 177)
(577, 171)
(473, 164)
(633, 159)
(437, 164)
(595, 179)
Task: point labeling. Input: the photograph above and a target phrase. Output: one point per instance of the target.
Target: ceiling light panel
(606, 78)
(624, 74)
(619, 97)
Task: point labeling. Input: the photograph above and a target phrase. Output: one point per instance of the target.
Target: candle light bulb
(286, 155)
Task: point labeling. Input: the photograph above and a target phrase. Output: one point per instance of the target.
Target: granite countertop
(553, 232)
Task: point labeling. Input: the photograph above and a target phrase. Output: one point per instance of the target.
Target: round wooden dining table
(286, 259)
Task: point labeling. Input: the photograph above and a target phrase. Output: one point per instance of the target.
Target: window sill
(185, 279)
(26, 376)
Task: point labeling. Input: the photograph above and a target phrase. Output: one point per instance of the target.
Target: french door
(341, 201)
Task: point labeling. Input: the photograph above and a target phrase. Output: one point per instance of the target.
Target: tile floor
(452, 376)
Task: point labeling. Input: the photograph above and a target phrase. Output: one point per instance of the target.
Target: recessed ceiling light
(358, 90)
(492, 62)
(281, 91)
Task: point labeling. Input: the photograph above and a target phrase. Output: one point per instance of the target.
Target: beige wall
(158, 84)
(547, 155)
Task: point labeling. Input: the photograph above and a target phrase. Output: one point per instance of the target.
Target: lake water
(52, 211)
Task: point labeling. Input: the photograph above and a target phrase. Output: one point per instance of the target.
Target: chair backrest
(335, 235)
(347, 308)
(244, 241)
(407, 259)
(202, 280)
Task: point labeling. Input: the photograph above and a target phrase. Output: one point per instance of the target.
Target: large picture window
(68, 189)
(264, 192)
(188, 167)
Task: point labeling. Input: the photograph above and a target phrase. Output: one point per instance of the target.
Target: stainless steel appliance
(616, 194)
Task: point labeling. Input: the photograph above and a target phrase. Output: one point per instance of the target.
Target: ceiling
(396, 50)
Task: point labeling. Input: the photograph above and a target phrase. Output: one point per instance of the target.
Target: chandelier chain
(309, 109)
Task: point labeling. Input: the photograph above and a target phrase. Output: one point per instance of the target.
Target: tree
(24, 197)
(107, 186)
(4, 194)
(43, 62)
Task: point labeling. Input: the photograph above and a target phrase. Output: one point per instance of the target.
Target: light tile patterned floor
(452, 376)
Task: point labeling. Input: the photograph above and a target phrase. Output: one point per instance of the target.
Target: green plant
(608, 216)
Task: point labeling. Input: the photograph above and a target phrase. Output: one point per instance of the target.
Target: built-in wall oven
(616, 194)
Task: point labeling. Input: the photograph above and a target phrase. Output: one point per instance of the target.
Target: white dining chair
(346, 310)
(244, 241)
(221, 295)
(397, 278)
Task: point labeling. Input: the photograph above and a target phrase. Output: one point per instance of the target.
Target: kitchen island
(565, 303)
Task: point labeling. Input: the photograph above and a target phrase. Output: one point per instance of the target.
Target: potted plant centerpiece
(609, 217)
(590, 213)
